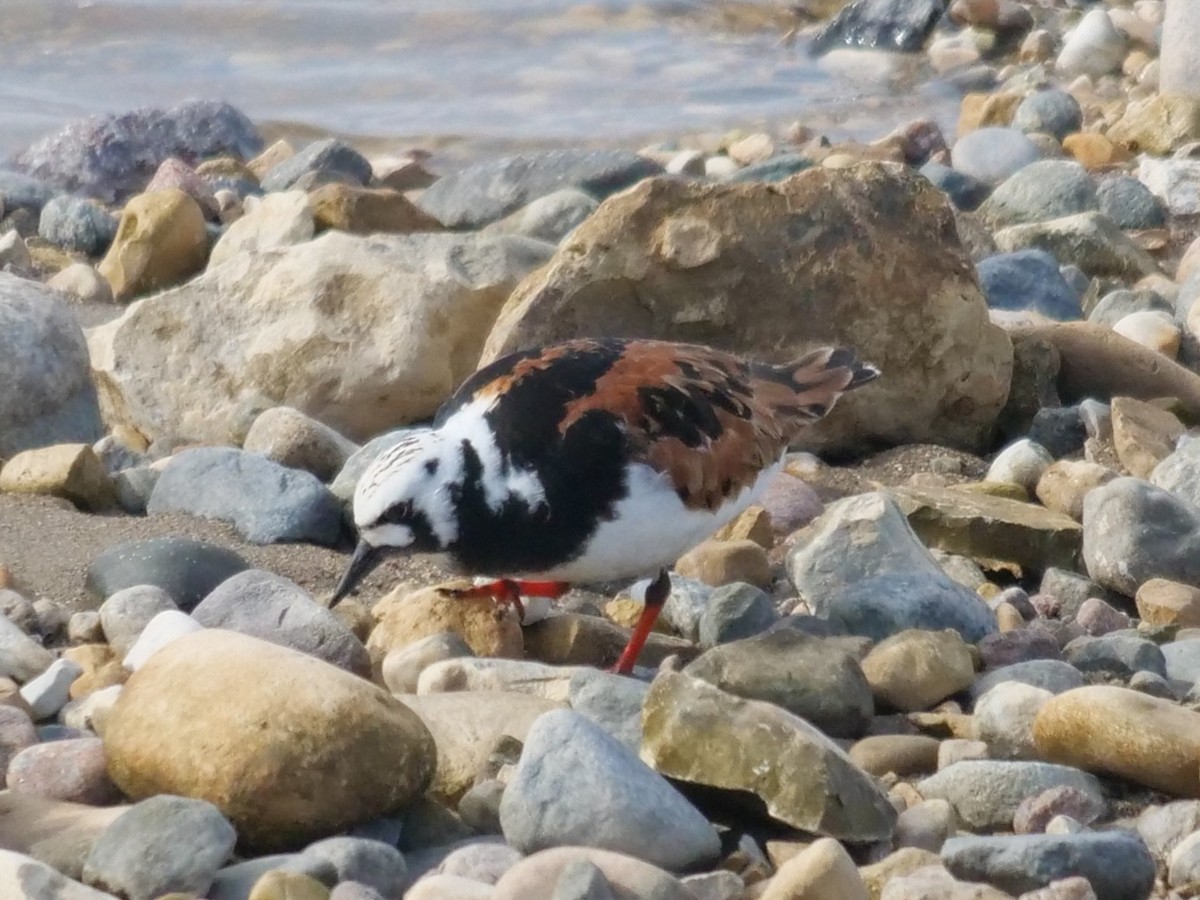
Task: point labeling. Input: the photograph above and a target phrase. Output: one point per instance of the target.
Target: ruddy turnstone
(590, 461)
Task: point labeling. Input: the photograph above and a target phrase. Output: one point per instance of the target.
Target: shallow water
(465, 74)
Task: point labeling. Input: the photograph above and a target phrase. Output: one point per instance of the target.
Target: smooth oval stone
(1117, 731)
(187, 570)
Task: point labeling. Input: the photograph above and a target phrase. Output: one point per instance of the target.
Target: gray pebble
(373, 863)
(78, 225)
(160, 845)
(736, 611)
(126, 613)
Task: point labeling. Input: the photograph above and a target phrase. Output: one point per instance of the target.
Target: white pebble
(50, 691)
(1022, 462)
(166, 627)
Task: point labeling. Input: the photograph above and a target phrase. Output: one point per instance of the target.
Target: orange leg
(507, 592)
(656, 596)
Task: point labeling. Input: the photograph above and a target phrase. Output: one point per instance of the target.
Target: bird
(590, 460)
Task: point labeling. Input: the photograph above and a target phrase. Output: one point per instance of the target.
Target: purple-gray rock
(964, 191)
(266, 502)
(17, 733)
(1004, 648)
(74, 770)
(111, 157)
(488, 191)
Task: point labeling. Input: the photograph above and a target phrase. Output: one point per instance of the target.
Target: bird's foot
(508, 592)
(656, 595)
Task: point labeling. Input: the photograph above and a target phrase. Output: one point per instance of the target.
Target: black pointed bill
(366, 557)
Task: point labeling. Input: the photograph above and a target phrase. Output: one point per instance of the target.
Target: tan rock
(1189, 263)
(534, 877)
(101, 668)
(668, 259)
(725, 562)
(573, 639)
(279, 219)
(368, 210)
(281, 885)
(989, 528)
(754, 148)
(306, 750)
(1163, 602)
(298, 441)
(697, 733)
(822, 870)
(625, 611)
(1093, 151)
(466, 726)
(1096, 362)
(81, 282)
(1151, 328)
(56, 832)
(1117, 731)
(1008, 617)
(1066, 482)
(516, 676)
(900, 862)
(914, 670)
(934, 882)
(362, 334)
(70, 471)
(981, 110)
(752, 525)
(1159, 124)
(270, 158)
(902, 754)
(161, 240)
(403, 173)
(1144, 434)
(402, 668)
(406, 616)
(449, 887)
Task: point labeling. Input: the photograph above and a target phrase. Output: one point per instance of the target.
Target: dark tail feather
(822, 376)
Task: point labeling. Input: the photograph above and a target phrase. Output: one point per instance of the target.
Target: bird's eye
(431, 466)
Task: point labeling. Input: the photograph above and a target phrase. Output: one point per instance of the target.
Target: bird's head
(403, 504)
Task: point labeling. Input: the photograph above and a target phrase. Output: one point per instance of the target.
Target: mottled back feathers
(707, 419)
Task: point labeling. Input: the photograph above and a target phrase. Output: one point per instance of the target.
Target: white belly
(652, 528)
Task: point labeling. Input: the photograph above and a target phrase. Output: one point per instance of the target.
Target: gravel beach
(953, 651)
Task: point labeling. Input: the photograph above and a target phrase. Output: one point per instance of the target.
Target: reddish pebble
(75, 770)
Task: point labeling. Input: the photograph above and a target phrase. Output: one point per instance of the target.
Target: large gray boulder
(47, 395)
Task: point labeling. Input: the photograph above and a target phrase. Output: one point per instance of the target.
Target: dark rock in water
(1028, 280)
(1116, 863)
(329, 157)
(77, 224)
(266, 502)
(111, 157)
(186, 569)
(19, 191)
(964, 191)
(489, 191)
(885, 24)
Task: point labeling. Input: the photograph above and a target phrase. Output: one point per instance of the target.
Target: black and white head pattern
(407, 497)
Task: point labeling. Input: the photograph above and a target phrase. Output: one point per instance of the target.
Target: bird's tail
(821, 377)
